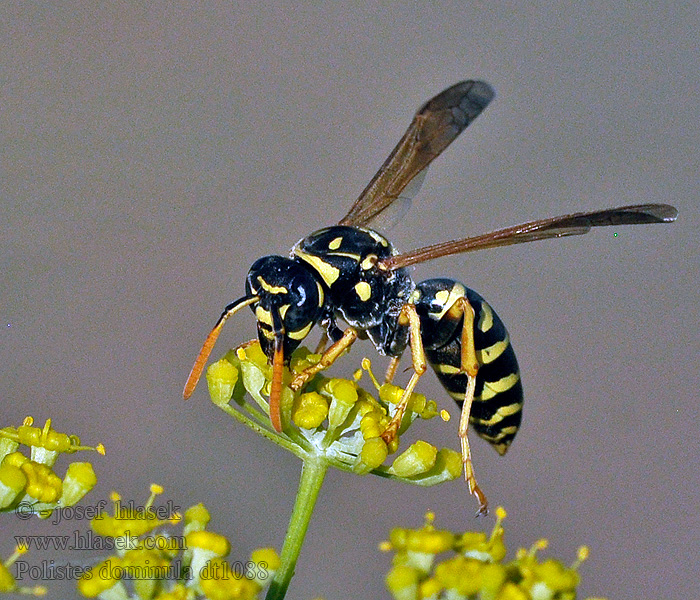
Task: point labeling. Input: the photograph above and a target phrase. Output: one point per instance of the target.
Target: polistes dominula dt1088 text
(350, 272)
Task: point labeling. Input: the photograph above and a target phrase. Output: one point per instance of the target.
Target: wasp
(349, 272)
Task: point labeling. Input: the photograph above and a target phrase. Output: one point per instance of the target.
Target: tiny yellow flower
(46, 443)
(128, 521)
(470, 566)
(303, 358)
(417, 459)
(430, 588)
(79, 480)
(7, 581)
(373, 424)
(101, 577)
(344, 395)
(197, 517)
(402, 582)
(42, 483)
(268, 556)
(461, 575)
(12, 483)
(252, 352)
(221, 379)
(219, 582)
(267, 562)
(211, 543)
(206, 548)
(556, 577)
(511, 591)
(309, 410)
(374, 452)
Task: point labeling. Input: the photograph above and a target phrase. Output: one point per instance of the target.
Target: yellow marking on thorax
(368, 262)
(354, 255)
(377, 237)
(329, 273)
(442, 297)
(335, 244)
(363, 290)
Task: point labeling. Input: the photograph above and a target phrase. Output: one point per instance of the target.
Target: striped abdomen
(498, 399)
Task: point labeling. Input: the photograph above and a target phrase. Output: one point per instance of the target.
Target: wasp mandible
(351, 273)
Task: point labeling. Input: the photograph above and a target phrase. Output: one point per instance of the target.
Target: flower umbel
(330, 418)
(31, 479)
(473, 567)
(328, 422)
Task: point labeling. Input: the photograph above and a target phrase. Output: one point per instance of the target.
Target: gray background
(152, 151)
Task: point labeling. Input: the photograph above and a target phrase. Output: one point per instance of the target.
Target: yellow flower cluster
(474, 567)
(332, 417)
(8, 584)
(160, 565)
(30, 482)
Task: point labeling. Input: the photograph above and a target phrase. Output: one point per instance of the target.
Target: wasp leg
(470, 366)
(321, 346)
(391, 369)
(409, 317)
(331, 333)
(327, 359)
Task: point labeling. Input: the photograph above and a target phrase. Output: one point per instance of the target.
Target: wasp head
(290, 301)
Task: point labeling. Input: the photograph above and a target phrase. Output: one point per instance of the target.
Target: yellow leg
(328, 358)
(391, 369)
(321, 346)
(409, 317)
(470, 366)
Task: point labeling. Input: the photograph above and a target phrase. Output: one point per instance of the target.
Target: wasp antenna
(208, 345)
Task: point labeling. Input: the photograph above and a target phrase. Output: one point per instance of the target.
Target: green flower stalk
(31, 479)
(329, 422)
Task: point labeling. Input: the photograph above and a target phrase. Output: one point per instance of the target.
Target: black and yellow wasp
(350, 272)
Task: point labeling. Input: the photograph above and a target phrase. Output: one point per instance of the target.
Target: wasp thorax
(290, 301)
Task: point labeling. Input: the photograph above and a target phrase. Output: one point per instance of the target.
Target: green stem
(313, 471)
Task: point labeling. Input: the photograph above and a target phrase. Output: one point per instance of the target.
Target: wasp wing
(573, 224)
(438, 122)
